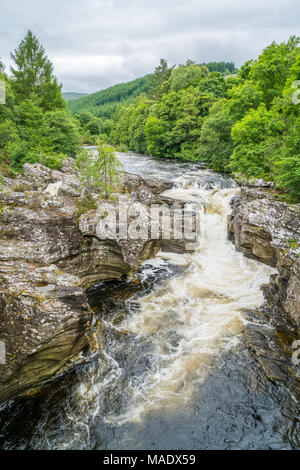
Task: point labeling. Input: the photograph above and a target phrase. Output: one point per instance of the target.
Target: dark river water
(173, 371)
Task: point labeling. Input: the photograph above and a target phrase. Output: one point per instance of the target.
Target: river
(173, 371)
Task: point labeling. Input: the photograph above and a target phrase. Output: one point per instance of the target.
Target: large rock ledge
(269, 230)
(48, 258)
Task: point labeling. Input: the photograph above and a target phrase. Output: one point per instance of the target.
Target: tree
(33, 75)
(271, 69)
(243, 98)
(287, 175)
(287, 158)
(104, 103)
(185, 76)
(61, 132)
(161, 74)
(216, 144)
(245, 70)
(154, 130)
(213, 83)
(256, 138)
(100, 170)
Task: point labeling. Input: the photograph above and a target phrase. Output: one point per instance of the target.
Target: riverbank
(186, 347)
(49, 256)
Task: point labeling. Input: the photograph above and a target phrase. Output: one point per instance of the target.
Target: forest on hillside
(247, 124)
(105, 102)
(34, 123)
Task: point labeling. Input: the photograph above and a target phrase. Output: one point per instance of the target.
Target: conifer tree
(161, 74)
(33, 76)
(100, 170)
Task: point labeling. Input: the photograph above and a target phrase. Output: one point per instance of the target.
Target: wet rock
(47, 260)
(273, 354)
(269, 231)
(158, 186)
(132, 183)
(40, 177)
(133, 251)
(44, 319)
(260, 183)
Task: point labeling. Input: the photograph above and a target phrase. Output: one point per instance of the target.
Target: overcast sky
(97, 43)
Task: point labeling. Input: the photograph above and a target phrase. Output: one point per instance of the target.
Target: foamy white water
(192, 318)
(188, 321)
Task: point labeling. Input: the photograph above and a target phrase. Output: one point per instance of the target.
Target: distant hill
(105, 102)
(225, 68)
(73, 96)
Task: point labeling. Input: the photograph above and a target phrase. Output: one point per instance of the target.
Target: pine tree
(100, 170)
(161, 74)
(33, 75)
(108, 165)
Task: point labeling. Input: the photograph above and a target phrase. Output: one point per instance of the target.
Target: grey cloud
(97, 43)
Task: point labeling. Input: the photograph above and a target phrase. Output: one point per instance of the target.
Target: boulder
(48, 258)
(269, 231)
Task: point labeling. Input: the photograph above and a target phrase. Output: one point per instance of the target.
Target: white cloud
(96, 43)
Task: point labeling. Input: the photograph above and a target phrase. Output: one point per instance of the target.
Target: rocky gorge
(266, 229)
(48, 258)
(50, 255)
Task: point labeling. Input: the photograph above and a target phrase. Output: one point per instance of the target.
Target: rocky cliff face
(268, 230)
(47, 259)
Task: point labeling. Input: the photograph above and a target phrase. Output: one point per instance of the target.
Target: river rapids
(173, 371)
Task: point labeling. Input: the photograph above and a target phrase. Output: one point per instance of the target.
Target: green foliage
(287, 164)
(91, 127)
(170, 126)
(85, 204)
(215, 84)
(270, 71)
(216, 144)
(256, 137)
(287, 175)
(33, 75)
(61, 133)
(129, 125)
(122, 148)
(104, 103)
(7, 171)
(155, 131)
(161, 75)
(225, 68)
(243, 98)
(34, 126)
(247, 124)
(100, 170)
(185, 76)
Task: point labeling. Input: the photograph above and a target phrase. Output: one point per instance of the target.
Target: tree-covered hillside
(104, 103)
(225, 68)
(95, 112)
(34, 123)
(248, 124)
(70, 96)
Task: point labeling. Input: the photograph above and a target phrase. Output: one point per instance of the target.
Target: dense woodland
(105, 102)
(247, 124)
(34, 123)
(97, 110)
